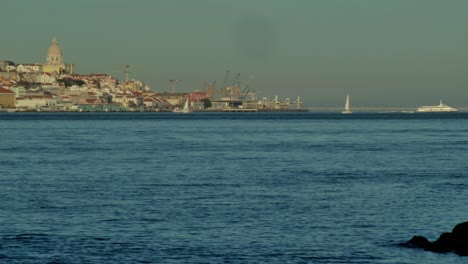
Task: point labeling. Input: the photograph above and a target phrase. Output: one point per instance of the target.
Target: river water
(229, 188)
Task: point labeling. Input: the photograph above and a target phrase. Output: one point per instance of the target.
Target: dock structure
(284, 110)
(239, 110)
(237, 96)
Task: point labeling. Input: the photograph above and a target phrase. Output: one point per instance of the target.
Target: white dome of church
(54, 53)
(54, 48)
(54, 63)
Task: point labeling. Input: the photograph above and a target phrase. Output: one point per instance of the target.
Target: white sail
(347, 109)
(186, 107)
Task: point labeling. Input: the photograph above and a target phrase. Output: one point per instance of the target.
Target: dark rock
(455, 241)
(419, 242)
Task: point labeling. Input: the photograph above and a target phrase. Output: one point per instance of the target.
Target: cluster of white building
(55, 86)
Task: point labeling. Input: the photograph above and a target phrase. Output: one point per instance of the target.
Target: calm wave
(229, 188)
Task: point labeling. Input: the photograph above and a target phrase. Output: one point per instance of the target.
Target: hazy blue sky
(381, 52)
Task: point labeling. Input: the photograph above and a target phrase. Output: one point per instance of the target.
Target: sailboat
(347, 110)
(184, 110)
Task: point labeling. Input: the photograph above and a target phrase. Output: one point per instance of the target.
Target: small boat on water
(347, 109)
(184, 110)
(441, 108)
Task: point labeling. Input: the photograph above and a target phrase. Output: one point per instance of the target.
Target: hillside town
(55, 86)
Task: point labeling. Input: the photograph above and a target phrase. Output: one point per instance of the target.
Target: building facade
(36, 101)
(29, 68)
(7, 98)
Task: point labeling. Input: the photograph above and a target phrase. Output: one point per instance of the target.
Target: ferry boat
(441, 108)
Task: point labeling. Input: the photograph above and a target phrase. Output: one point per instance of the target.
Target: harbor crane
(244, 90)
(298, 102)
(234, 81)
(226, 78)
(223, 89)
(210, 89)
(234, 90)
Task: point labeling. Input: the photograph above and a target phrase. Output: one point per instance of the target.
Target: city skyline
(395, 53)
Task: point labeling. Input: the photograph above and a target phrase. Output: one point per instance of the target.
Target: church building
(54, 63)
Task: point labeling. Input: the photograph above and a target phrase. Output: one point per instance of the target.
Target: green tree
(206, 103)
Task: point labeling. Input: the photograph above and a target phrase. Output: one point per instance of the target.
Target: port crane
(245, 91)
(298, 102)
(233, 82)
(223, 89)
(234, 90)
(226, 78)
(210, 89)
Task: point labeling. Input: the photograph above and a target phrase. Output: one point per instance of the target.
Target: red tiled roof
(35, 97)
(159, 100)
(3, 90)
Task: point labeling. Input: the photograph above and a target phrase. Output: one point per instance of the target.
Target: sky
(383, 53)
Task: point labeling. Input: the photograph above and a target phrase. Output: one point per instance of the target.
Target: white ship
(436, 108)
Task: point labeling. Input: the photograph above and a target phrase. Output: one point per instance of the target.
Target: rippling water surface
(229, 188)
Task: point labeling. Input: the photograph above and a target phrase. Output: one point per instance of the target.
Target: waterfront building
(7, 98)
(93, 105)
(156, 103)
(173, 98)
(92, 101)
(36, 101)
(54, 62)
(149, 102)
(125, 100)
(197, 96)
